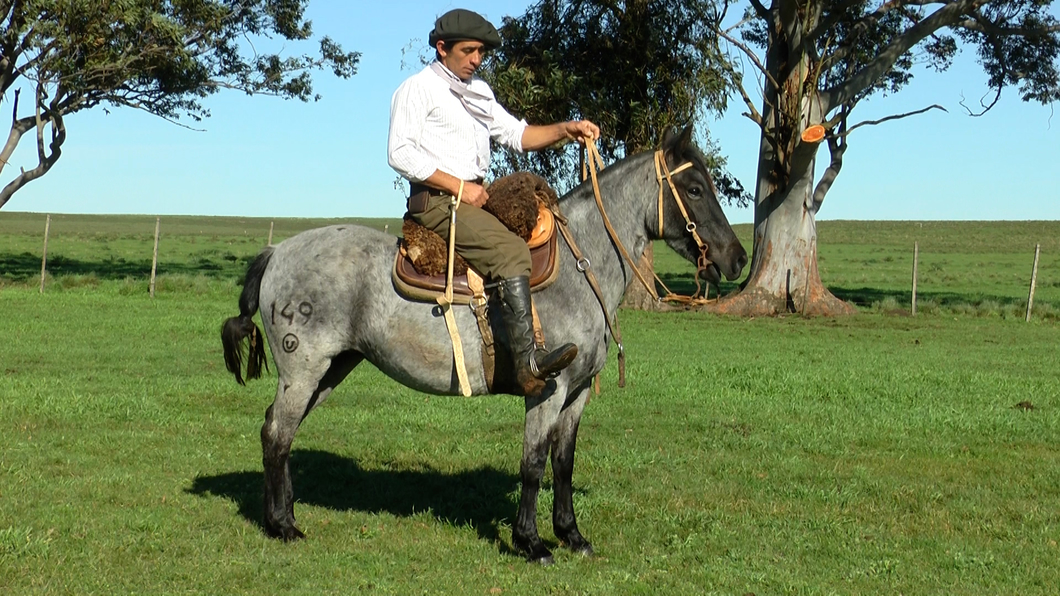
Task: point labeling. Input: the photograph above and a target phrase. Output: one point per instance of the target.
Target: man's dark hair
(448, 45)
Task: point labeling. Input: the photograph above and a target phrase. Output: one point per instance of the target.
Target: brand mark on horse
(290, 343)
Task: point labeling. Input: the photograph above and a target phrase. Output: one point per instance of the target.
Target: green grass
(861, 455)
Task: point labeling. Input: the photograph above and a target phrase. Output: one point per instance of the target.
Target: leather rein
(662, 172)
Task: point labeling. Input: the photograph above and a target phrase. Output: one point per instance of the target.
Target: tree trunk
(637, 298)
(784, 276)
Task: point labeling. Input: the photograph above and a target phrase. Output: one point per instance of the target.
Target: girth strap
(584, 267)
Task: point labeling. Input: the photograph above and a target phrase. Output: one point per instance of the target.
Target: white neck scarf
(464, 93)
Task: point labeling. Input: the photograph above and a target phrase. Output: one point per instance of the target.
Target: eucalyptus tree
(635, 67)
(160, 56)
(815, 62)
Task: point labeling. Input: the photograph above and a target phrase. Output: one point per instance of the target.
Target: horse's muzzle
(730, 261)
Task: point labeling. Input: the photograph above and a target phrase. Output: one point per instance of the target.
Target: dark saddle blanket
(522, 201)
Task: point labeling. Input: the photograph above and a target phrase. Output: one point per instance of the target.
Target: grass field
(872, 454)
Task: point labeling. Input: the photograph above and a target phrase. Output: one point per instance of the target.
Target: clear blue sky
(273, 158)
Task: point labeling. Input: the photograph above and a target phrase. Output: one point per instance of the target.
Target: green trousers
(484, 242)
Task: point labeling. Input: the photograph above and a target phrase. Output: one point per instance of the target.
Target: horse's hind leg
(296, 395)
(564, 440)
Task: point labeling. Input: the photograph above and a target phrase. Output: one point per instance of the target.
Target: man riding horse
(441, 123)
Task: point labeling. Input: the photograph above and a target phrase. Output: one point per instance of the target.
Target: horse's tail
(236, 330)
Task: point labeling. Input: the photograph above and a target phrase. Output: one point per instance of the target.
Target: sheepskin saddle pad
(521, 201)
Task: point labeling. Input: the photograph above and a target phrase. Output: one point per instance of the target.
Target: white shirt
(431, 130)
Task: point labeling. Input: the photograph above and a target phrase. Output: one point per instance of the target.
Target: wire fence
(216, 248)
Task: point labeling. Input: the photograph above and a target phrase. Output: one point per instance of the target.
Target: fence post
(916, 257)
(271, 224)
(44, 255)
(154, 259)
(1034, 280)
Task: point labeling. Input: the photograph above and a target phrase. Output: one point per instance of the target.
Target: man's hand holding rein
(582, 131)
(540, 136)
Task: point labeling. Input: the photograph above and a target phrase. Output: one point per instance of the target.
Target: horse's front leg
(541, 415)
(564, 440)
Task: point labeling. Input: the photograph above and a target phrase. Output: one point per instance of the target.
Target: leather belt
(420, 195)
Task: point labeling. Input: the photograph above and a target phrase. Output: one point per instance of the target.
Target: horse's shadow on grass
(483, 498)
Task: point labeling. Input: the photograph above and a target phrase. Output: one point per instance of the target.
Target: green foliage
(160, 56)
(836, 54)
(662, 71)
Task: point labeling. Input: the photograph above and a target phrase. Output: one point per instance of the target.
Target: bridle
(590, 167)
(662, 173)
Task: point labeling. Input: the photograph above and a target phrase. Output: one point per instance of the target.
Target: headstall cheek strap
(661, 172)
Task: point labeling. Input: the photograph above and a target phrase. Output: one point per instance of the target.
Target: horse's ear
(675, 143)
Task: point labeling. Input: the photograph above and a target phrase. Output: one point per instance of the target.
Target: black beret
(463, 25)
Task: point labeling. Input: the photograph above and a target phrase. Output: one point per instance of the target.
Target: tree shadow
(685, 284)
(868, 296)
(483, 498)
(25, 266)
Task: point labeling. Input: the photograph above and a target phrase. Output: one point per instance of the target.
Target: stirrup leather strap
(445, 301)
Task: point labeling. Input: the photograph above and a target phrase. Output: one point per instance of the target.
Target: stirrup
(535, 369)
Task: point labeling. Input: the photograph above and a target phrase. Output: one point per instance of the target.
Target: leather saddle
(543, 244)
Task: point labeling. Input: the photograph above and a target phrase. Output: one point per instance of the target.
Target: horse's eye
(695, 192)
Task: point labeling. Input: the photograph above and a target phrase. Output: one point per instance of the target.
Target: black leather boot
(532, 366)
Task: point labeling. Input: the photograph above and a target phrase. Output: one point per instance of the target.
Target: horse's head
(699, 196)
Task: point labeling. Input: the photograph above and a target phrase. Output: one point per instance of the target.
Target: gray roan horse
(327, 303)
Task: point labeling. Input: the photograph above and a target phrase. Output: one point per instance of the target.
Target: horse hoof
(292, 534)
(543, 560)
(285, 533)
(580, 547)
(585, 550)
(577, 543)
(535, 551)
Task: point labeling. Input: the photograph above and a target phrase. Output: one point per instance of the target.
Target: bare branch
(750, 54)
(752, 114)
(986, 106)
(45, 164)
(18, 128)
(837, 13)
(837, 146)
(147, 108)
(14, 109)
(981, 24)
(737, 26)
(760, 9)
(891, 117)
